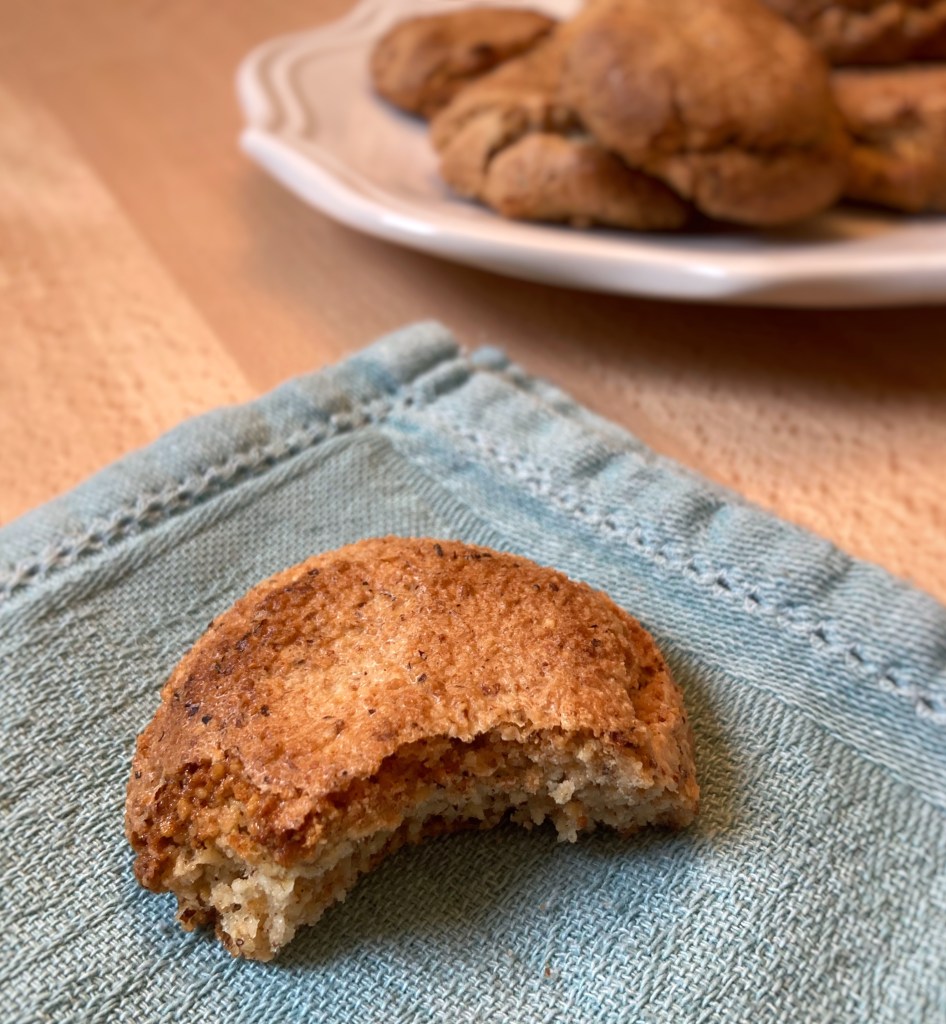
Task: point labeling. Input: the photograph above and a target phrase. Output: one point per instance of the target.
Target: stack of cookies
(650, 114)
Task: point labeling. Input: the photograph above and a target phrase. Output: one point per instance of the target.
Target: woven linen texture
(812, 888)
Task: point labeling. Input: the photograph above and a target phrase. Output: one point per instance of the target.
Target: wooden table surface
(149, 272)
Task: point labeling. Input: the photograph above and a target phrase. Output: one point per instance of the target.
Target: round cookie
(724, 101)
(387, 691)
(420, 64)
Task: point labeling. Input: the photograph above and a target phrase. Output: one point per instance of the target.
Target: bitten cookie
(870, 31)
(388, 691)
(724, 101)
(510, 141)
(421, 63)
(897, 118)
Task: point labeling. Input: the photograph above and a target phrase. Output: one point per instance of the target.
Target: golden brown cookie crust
(421, 63)
(525, 93)
(897, 118)
(549, 177)
(509, 141)
(870, 31)
(336, 690)
(724, 101)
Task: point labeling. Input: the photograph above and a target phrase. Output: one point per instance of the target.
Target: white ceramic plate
(313, 122)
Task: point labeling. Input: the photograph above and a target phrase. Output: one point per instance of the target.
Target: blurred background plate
(313, 122)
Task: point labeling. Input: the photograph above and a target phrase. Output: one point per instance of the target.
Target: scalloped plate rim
(278, 137)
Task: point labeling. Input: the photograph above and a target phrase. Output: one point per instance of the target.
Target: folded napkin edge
(438, 366)
(71, 527)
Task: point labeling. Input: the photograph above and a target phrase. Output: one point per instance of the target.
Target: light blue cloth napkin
(812, 888)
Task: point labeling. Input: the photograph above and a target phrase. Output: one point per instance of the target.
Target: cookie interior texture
(385, 692)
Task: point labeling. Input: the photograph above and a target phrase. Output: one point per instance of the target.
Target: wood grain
(148, 271)
(101, 352)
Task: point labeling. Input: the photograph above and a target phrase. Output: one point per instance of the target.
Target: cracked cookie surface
(511, 142)
(724, 102)
(420, 64)
(390, 690)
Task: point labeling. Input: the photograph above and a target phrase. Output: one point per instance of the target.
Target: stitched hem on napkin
(587, 470)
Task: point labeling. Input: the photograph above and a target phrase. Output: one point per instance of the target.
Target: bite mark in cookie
(387, 691)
